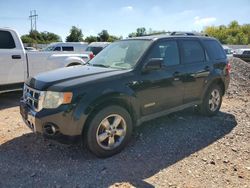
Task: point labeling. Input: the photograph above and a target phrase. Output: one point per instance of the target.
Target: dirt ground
(182, 149)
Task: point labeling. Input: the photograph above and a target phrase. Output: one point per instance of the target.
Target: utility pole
(33, 17)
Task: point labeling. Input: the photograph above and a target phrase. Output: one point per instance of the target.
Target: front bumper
(67, 128)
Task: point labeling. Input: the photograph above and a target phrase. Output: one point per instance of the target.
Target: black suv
(131, 81)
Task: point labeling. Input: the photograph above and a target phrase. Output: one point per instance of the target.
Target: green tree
(75, 35)
(234, 33)
(35, 37)
(27, 39)
(113, 38)
(103, 36)
(132, 35)
(234, 24)
(51, 37)
(140, 31)
(90, 39)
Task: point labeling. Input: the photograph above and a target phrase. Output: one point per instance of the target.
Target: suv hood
(70, 76)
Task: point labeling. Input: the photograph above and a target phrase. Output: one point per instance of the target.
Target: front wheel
(109, 131)
(212, 101)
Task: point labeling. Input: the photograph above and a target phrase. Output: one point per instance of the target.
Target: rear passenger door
(197, 68)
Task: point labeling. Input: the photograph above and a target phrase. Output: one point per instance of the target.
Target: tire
(212, 101)
(109, 131)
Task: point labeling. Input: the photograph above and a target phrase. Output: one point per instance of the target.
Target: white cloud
(127, 8)
(204, 21)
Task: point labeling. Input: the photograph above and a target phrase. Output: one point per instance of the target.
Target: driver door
(12, 60)
(162, 89)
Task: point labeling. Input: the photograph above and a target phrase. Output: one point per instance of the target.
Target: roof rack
(176, 33)
(188, 33)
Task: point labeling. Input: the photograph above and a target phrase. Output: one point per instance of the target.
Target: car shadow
(10, 99)
(156, 145)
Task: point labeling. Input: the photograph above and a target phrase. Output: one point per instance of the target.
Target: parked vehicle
(96, 47)
(17, 64)
(30, 49)
(72, 47)
(243, 54)
(129, 82)
(228, 51)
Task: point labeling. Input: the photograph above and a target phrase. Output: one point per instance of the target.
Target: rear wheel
(109, 131)
(212, 101)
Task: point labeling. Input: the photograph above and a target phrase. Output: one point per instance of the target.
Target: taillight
(228, 68)
(91, 55)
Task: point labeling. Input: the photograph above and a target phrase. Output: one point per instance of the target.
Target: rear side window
(214, 50)
(67, 48)
(192, 51)
(6, 40)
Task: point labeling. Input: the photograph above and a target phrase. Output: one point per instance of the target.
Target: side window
(214, 50)
(58, 48)
(7, 41)
(246, 53)
(67, 48)
(192, 51)
(168, 50)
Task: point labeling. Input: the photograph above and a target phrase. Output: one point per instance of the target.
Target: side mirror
(153, 64)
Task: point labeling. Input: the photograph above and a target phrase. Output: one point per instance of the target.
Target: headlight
(55, 99)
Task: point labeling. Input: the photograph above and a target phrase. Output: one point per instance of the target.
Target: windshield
(49, 48)
(121, 54)
(228, 51)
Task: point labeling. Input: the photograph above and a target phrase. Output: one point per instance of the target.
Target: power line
(33, 20)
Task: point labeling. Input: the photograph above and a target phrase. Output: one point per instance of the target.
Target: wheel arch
(73, 64)
(216, 81)
(70, 61)
(110, 99)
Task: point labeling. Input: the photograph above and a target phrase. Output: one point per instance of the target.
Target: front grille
(32, 97)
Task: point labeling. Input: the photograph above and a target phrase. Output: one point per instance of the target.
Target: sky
(121, 17)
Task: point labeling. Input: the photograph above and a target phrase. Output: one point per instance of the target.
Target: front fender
(89, 103)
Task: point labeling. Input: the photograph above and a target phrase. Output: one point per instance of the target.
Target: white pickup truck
(16, 64)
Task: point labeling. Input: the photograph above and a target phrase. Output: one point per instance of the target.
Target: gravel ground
(182, 149)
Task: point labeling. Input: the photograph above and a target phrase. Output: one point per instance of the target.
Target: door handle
(16, 56)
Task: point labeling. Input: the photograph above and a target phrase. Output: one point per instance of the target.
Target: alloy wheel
(214, 100)
(111, 132)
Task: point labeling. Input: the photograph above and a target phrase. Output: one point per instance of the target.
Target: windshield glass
(121, 54)
(49, 48)
(228, 51)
